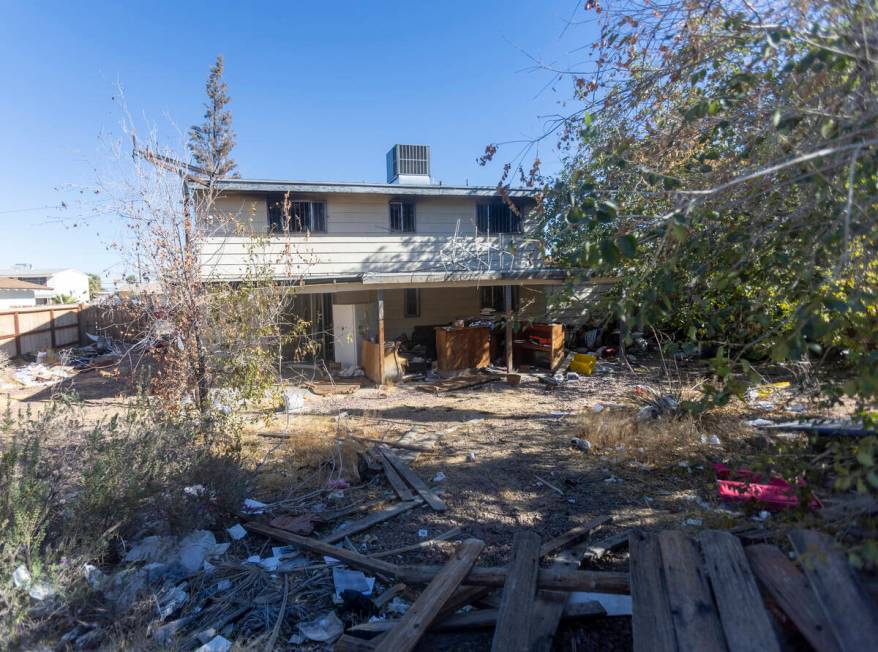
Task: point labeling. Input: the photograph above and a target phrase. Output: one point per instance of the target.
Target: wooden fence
(28, 330)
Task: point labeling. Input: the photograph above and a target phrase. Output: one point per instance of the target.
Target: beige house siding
(358, 240)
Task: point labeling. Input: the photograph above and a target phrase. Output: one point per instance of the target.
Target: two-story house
(378, 260)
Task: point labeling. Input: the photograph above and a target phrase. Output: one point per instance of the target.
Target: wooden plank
(572, 536)
(600, 548)
(482, 618)
(351, 558)
(398, 484)
(372, 519)
(651, 622)
(548, 578)
(547, 611)
(742, 614)
(424, 610)
(469, 594)
(604, 582)
(519, 592)
(696, 622)
(414, 480)
(852, 615)
(787, 585)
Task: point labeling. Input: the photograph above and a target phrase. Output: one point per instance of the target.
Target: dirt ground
(508, 463)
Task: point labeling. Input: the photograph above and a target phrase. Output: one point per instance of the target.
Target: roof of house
(7, 283)
(428, 190)
(18, 272)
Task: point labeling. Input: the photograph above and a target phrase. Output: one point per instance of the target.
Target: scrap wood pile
(440, 592)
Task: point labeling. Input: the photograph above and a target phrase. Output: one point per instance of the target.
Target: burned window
(286, 216)
(497, 217)
(412, 300)
(492, 297)
(402, 217)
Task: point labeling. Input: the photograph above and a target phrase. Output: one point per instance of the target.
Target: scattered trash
(439, 477)
(350, 580)
(581, 444)
(759, 423)
(582, 364)
(598, 408)
(21, 577)
(613, 479)
(694, 522)
(572, 376)
(337, 484)
(745, 485)
(237, 532)
(351, 372)
(471, 456)
(423, 533)
(216, 644)
(713, 440)
(94, 576)
(294, 400)
(398, 606)
(253, 506)
(194, 549)
(324, 629)
(614, 605)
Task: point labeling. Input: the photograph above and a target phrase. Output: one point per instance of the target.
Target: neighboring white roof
(36, 271)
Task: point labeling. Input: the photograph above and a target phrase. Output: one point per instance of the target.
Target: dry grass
(666, 440)
(302, 453)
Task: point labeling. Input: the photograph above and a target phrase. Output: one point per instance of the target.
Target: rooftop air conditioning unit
(408, 164)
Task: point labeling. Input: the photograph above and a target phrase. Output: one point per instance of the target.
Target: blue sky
(319, 91)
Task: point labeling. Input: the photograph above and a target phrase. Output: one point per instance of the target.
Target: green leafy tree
(211, 142)
(94, 285)
(722, 165)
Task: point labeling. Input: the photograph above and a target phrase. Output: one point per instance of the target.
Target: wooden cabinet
(463, 348)
(540, 341)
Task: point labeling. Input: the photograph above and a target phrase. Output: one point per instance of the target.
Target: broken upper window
(402, 217)
(412, 302)
(492, 297)
(286, 216)
(497, 217)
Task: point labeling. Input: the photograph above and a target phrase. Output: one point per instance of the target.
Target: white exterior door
(344, 328)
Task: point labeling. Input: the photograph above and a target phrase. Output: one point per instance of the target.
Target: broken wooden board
(695, 621)
(326, 388)
(598, 549)
(651, 624)
(548, 578)
(469, 594)
(412, 626)
(519, 593)
(399, 486)
(553, 579)
(850, 611)
(372, 519)
(414, 480)
(547, 613)
(458, 382)
(745, 622)
(787, 585)
(482, 619)
(351, 558)
(572, 536)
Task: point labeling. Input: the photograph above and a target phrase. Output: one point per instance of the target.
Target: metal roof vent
(408, 164)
